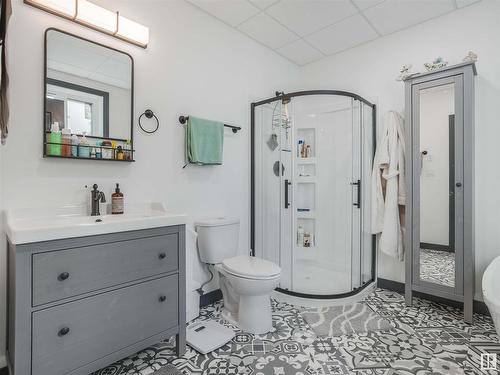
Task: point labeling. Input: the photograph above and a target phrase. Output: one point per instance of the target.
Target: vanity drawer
(71, 335)
(66, 273)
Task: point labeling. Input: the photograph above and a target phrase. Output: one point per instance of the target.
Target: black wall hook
(149, 114)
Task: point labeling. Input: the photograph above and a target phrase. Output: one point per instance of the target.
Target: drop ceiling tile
(300, 52)
(364, 4)
(343, 35)
(232, 12)
(267, 31)
(464, 3)
(263, 4)
(307, 16)
(394, 15)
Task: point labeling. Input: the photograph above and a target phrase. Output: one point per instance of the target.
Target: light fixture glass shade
(96, 16)
(133, 31)
(66, 8)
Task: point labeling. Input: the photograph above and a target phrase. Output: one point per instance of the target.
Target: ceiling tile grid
(305, 31)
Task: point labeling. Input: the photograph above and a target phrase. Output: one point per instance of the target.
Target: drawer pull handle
(63, 276)
(63, 331)
(162, 298)
(162, 256)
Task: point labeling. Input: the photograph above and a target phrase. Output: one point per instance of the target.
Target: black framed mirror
(88, 99)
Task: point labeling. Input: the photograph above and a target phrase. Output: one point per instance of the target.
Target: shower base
(316, 302)
(316, 279)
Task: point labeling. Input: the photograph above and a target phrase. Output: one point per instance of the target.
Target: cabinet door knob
(63, 331)
(63, 276)
(162, 256)
(458, 184)
(162, 298)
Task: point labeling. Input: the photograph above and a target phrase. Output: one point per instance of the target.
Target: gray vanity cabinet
(79, 304)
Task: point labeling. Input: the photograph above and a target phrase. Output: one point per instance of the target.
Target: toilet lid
(251, 267)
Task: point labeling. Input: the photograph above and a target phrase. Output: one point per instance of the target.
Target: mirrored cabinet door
(438, 129)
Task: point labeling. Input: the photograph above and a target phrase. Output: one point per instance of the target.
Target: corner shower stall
(312, 154)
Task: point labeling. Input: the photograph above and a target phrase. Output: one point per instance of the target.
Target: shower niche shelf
(311, 160)
(308, 136)
(306, 215)
(306, 196)
(309, 225)
(306, 179)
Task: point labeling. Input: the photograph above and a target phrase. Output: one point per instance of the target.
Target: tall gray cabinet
(439, 220)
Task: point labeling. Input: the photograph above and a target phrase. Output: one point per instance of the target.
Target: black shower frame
(252, 181)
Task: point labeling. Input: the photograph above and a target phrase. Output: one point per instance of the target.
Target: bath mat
(168, 370)
(345, 320)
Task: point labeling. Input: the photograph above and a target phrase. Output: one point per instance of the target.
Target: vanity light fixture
(96, 17)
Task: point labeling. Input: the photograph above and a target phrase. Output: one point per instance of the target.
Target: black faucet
(95, 197)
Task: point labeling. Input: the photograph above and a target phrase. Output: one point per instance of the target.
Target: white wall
(370, 70)
(193, 65)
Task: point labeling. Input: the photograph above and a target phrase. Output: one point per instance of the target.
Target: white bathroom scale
(207, 336)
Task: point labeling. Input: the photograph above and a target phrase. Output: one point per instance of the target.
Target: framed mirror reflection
(88, 111)
(437, 251)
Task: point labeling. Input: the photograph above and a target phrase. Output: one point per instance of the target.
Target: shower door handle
(358, 187)
(287, 185)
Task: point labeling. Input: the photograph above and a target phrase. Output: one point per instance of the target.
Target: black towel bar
(183, 120)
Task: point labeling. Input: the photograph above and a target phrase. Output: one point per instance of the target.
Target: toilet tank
(217, 239)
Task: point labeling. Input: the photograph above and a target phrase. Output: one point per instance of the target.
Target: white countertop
(35, 225)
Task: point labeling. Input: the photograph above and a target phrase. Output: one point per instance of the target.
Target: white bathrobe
(389, 163)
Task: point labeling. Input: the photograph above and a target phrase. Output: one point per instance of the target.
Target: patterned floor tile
(428, 338)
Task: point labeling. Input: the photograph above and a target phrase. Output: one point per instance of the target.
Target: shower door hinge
(358, 187)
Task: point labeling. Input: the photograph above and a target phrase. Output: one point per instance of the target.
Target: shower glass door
(272, 186)
(312, 157)
(326, 195)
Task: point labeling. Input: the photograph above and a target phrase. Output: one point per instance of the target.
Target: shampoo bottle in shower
(300, 235)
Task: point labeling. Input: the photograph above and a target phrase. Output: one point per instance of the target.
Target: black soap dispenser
(117, 201)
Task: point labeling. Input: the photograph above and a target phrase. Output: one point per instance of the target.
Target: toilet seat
(251, 267)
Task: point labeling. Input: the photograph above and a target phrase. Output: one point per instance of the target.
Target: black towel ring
(149, 114)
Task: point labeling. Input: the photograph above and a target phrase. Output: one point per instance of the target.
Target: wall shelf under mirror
(88, 100)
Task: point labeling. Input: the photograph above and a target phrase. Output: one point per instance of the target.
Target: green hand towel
(204, 141)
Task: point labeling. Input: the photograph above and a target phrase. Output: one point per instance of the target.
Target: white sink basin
(35, 225)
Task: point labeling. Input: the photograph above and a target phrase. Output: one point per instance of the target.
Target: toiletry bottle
(303, 150)
(92, 152)
(307, 239)
(55, 139)
(66, 142)
(299, 148)
(120, 155)
(75, 141)
(300, 235)
(84, 147)
(113, 146)
(117, 201)
(107, 152)
(98, 150)
(127, 147)
(308, 151)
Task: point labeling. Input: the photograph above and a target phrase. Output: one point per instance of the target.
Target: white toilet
(246, 282)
